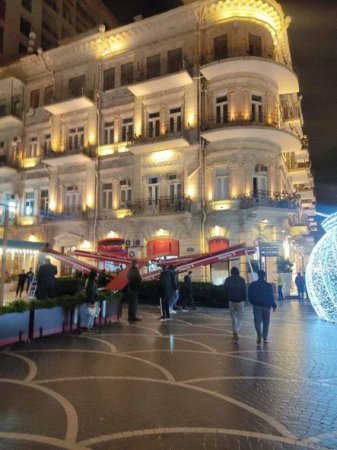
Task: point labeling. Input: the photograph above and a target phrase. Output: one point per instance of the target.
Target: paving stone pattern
(183, 384)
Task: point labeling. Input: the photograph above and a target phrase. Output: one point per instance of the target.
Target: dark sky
(313, 45)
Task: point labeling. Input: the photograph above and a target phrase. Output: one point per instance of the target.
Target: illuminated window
(32, 148)
(153, 190)
(260, 181)
(221, 109)
(73, 200)
(174, 188)
(175, 120)
(127, 129)
(257, 108)
(221, 184)
(108, 133)
(76, 138)
(29, 204)
(125, 194)
(107, 196)
(153, 125)
(127, 74)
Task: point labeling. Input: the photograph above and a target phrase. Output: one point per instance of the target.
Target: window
(153, 190)
(109, 133)
(175, 188)
(76, 138)
(221, 184)
(48, 95)
(25, 26)
(2, 9)
(27, 4)
(257, 111)
(32, 147)
(125, 194)
(153, 66)
(1, 40)
(107, 196)
(126, 74)
(73, 199)
(109, 79)
(47, 144)
(154, 124)
(29, 204)
(260, 180)
(254, 45)
(174, 60)
(35, 98)
(221, 109)
(127, 129)
(76, 86)
(220, 47)
(175, 120)
(44, 200)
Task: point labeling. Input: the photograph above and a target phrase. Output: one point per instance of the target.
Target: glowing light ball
(321, 272)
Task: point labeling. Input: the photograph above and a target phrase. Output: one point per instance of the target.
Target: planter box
(50, 321)
(14, 328)
(113, 310)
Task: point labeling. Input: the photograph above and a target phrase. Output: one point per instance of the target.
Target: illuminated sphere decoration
(321, 272)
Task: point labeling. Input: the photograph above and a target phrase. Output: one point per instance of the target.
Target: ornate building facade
(180, 133)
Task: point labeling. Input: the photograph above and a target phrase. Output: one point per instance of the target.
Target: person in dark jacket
(186, 294)
(260, 295)
(167, 286)
(103, 279)
(91, 298)
(235, 293)
(46, 279)
(134, 283)
(21, 283)
(300, 284)
(29, 278)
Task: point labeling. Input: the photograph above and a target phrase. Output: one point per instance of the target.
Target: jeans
(280, 293)
(90, 321)
(133, 304)
(261, 315)
(174, 299)
(237, 310)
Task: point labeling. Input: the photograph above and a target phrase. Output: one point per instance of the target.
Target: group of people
(299, 282)
(24, 281)
(260, 295)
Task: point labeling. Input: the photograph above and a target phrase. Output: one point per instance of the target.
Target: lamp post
(4, 249)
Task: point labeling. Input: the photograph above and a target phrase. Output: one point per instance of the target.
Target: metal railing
(297, 220)
(235, 52)
(88, 151)
(161, 205)
(239, 121)
(149, 134)
(67, 214)
(5, 161)
(269, 199)
(64, 95)
(162, 68)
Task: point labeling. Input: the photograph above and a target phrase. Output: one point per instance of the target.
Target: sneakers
(258, 340)
(172, 311)
(162, 319)
(235, 336)
(265, 340)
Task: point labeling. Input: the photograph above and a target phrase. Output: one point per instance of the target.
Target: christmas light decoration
(321, 273)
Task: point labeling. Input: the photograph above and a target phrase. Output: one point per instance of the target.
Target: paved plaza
(178, 385)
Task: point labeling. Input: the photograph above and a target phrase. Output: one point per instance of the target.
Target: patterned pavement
(178, 385)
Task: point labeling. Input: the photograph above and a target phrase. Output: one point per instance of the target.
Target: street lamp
(10, 206)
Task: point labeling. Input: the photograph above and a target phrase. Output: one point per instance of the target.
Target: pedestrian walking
(91, 298)
(46, 279)
(280, 283)
(186, 293)
(21, 283)
(235, 293)
(166, 287)
(134, 284)
(30, 276)
(260, 295)
(300, 284)
(174, 295)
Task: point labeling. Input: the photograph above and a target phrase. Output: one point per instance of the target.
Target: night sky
(313, 45)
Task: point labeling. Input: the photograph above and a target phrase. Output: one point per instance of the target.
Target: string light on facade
(321, 274)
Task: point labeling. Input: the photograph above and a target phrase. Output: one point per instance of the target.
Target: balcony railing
(161, 205)
(151, 134)
(68, 214)
(239, 121)
(5, 161)
(235, 52)
(88, 151)
(298, 220)
(162, 68)
(61, 96)
(269, 199)
(10, 110)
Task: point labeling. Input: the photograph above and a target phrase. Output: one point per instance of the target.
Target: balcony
(8, 166)
(300, 174)
(10, 116)
(161, 205)
(151, 140)
(68, 157)
(240, 61)
(66, 102)
(74, 213)
(269, 200)
(161, 77)
(298, 224)
(260, 130)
